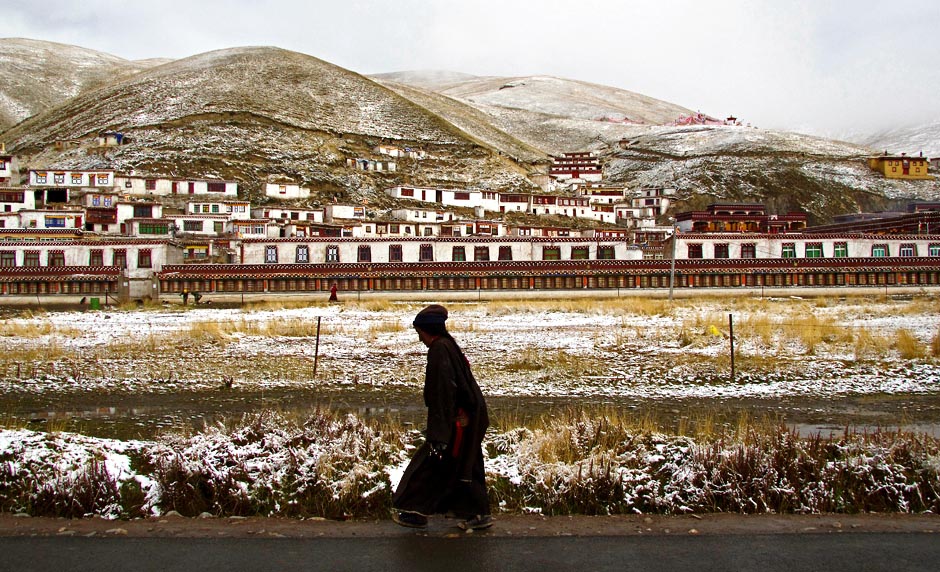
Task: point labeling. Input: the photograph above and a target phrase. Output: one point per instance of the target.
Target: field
(635, 397)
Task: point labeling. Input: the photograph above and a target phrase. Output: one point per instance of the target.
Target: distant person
(196, 297)
(446, 473)
(185, 295)
(333, 297)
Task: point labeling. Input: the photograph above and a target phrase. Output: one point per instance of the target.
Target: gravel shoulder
(506, 526)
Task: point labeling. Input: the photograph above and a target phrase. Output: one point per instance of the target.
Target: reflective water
(131, 416)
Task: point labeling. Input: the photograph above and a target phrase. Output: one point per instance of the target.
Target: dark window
(120, 258)
(56, 258)
(426, 253)
(505, 253)
(551, 253)
(303, 254)
(580, 253)
(144, 258)
(150, 184)
(695, 251)
(192, 225)
(365, 253)
(7, 259)
(459, 254)
(394, 253)
(270, 254)
(153, 228)
(96, 257)
(749, 250)
(722, 250)
(216, 187)
(143, 211)
(332, 253)
(606, 253)
(481, 253)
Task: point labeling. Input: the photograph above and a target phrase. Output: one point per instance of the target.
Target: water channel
(145, 416)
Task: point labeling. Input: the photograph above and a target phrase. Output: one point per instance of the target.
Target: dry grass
(36, 329)
(559, 363)
(908, 346)
(635, 306)
(868, 345)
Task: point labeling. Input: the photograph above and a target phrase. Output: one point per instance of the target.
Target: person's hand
(436, 450)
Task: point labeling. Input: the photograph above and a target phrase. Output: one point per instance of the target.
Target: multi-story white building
(288, 214)
(235, 210)
(800, 245)
(165, 186)
(72, 178)
(44, 218)
(13, 199)
(418, 250)
(137, 260)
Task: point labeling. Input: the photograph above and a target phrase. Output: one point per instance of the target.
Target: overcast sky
(821, 66)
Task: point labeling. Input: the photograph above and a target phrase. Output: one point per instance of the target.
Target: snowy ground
(821, 353)
(537, 349)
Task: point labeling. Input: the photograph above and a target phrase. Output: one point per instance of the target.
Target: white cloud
(823, 66)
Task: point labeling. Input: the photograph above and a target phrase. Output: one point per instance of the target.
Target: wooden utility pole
(316, 349)
(731, 335)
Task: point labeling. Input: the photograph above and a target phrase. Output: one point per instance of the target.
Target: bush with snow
(340, 467)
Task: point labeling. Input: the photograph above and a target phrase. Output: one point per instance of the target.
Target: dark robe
(456, 483)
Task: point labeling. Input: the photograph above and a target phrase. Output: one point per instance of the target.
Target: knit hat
(433, 314)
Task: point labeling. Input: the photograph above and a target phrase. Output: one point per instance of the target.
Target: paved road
(909, 552)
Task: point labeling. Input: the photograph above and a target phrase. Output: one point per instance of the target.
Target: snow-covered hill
(912, 140)
(248, 113)
(549, 113)
(245, 113)
(36, 75)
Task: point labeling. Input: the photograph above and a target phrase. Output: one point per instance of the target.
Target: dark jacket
(457, 416)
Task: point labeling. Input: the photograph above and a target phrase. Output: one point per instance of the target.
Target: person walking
(446, 474)
(333, 297)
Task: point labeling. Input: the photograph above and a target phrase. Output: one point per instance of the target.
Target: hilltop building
(901, 166)
(583, 165)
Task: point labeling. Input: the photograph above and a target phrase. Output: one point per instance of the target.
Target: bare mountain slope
(786, 171)
(36, 75)
(470, 120)
(549, 113)
(245, 113)
(923, 138)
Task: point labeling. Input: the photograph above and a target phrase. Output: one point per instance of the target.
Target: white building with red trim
(7, 168)
(582, 165)
(166, 186)
(14, 199)
(44, 218)
(72, 178)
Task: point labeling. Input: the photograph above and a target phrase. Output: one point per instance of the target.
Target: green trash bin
(95, 304)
